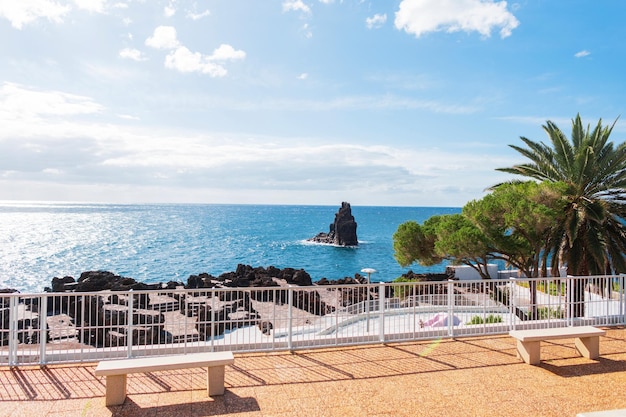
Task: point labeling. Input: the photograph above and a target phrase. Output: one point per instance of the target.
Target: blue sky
(404, 102)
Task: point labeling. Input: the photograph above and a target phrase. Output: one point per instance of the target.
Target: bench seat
(115, 371)
(587, 341)
(605, 413)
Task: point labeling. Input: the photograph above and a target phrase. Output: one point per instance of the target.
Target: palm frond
(592, 231)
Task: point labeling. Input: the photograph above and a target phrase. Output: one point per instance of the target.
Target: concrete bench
(606, 413)
(587, 341)
(116, 371)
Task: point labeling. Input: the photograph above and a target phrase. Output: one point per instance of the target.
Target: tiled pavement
(479, 376)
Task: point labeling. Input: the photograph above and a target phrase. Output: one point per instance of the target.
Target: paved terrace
(478, 376)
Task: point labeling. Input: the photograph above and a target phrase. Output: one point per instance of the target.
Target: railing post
(13, 317)
(450, 307)
(182, 306)
(276, 297)
(290, 318)
(336, 315)
(486, 300)
(81, 325)
(43, 337)
(129, 325)
(569, 300)
(416, 300)
(213, 324)
(511, 303)
(381, 310)
(621, 297)
(608, 294)
(368, 305)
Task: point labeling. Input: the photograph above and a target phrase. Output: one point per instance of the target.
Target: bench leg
(589, 347)
(529, 352)
(215, 380)
(115, 390)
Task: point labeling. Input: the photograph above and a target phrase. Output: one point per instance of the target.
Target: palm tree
(591, 239)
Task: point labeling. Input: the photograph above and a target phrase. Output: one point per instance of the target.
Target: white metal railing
(82, 327)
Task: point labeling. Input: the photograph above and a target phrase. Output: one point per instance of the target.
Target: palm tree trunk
(533, 300)
(578, 292)
(576, 296)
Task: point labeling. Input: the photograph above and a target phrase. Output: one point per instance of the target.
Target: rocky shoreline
(162, 317)
(101, 316)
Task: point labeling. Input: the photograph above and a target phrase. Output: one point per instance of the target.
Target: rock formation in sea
(342, 230)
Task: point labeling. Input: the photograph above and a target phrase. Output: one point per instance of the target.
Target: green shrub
(489, 319)
(402, 278)
(553, 288)
(550, 313)
(403, 291)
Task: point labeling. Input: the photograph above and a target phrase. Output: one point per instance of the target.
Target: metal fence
(70, 327)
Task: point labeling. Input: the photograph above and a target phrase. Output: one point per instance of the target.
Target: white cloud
(96, 6)
(300, 6)
(303, 76)
(306, 29)
(243, 156)
(376, 21)
(133, 54)
(49, 147)
(107, 71)
(164, 37)
(127, 117)
(52, 171)
(296, 5)
(183, 60)
(21, 12)
(422, 16)
(582, 54)
(143, 158)
(198, 16)
(226, 52)
(120, 5)
(352, 103)
(21, 103)
(169, 11)
(349, 103)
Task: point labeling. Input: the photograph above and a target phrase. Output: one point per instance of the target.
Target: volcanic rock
(342, 230)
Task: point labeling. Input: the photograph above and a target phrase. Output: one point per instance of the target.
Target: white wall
(514, 273)
(464, 272)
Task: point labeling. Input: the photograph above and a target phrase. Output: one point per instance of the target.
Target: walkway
(478, 376)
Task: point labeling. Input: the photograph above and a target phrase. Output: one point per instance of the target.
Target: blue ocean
(168, 242)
